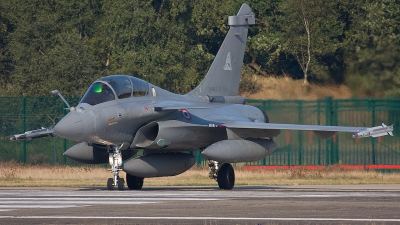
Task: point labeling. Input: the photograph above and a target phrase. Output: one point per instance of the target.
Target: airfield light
(97, 88)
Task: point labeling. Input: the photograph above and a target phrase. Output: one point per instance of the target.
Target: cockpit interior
(115, 87)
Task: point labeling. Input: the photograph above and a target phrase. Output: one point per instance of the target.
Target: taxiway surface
(353, 204)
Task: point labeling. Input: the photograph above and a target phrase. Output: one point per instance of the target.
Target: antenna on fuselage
(53, 92)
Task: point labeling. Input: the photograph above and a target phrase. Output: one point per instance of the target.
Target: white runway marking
(203, 218)
(57, 202)
(60, 200)
(192, 195)
(40, 206)
(108, 199)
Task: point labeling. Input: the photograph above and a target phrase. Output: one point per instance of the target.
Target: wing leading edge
(323, 132)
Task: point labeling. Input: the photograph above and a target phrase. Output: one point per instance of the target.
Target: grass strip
(18, 175)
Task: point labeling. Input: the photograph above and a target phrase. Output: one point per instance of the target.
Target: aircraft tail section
(223, 77)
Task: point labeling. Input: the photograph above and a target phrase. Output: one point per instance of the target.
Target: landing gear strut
(115, 160)
(224, 175)
(214, 166)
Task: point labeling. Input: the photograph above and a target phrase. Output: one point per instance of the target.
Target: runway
(353, 204)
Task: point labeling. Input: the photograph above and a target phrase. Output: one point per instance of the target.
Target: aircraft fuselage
(116, 122)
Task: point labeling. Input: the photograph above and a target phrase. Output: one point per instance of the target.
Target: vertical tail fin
(223, 77)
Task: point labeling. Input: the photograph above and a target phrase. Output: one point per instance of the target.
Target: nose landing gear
(115, 160)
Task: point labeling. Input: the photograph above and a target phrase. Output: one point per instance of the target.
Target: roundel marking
(185, 114)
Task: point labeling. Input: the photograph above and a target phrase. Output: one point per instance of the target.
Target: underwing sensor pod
(146, 131)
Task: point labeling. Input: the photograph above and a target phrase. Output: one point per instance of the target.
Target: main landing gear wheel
(226, 177)
(134, 183)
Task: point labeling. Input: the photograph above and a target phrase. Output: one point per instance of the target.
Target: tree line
(66, 45)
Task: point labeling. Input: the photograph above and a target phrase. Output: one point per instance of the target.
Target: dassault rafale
(120, 115)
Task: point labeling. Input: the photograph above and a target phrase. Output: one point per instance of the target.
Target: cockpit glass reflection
(121, 85)
(98, 93)
(140, 87)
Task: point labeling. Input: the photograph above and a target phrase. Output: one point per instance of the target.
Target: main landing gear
(134, 183)
(115, 160)
(224, 175)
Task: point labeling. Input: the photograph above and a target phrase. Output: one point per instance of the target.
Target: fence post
(328, 109)
(55, 150)
(263, 160)
(300, 133)
(319, 123)
(334, 122)
(64, 149)
(372, 104)
(64, 140)
(24, 128)
(264, 106)
(198, 158)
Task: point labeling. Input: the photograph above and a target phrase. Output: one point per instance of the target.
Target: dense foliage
(65, 45)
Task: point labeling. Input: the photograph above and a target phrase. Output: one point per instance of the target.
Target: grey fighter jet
(120, 115)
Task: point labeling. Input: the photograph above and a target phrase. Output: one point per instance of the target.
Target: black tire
(134, 183)
(226, 177)
(120, 183)
(110, 184)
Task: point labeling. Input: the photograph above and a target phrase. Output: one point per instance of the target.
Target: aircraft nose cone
(70, 127)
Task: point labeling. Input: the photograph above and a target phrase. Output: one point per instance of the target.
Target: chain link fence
(19, 114)
(304, 148)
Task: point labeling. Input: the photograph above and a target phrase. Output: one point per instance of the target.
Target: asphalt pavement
(308, 204)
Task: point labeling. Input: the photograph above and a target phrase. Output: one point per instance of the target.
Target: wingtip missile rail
(377, 131)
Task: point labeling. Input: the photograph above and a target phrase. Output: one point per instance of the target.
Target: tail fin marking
(223, 77)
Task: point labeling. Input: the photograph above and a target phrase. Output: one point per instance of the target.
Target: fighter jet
(120, 115)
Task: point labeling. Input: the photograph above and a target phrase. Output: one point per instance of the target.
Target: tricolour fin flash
(223, 77)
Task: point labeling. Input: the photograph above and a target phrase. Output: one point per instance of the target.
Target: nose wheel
(120, 184)
(115, 160)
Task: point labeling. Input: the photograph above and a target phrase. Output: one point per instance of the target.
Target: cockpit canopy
(115, 87)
